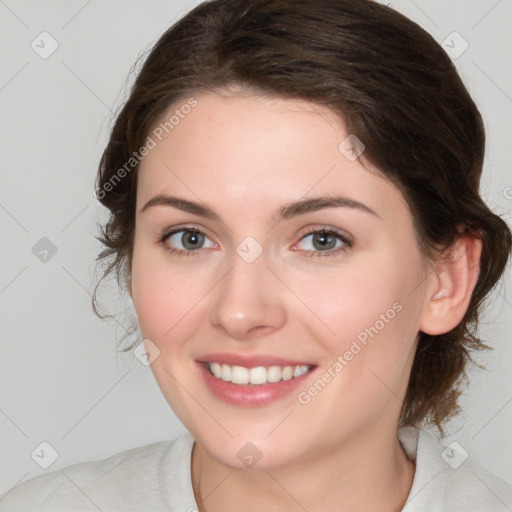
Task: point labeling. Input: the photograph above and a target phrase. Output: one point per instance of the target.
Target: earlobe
(451, 286)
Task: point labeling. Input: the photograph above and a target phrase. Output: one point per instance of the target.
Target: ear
(451, 285)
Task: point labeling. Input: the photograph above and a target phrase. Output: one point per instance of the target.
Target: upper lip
(252, 361)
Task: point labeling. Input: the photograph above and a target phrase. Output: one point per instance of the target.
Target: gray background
(62, 380)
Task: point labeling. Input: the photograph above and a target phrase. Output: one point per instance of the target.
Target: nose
(248, 301)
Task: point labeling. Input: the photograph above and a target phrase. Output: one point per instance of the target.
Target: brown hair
(396, 90)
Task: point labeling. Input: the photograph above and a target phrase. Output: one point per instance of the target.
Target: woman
(293, 189)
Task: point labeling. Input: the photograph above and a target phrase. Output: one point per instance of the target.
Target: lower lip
(247, 395)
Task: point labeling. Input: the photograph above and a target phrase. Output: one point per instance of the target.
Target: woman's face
(237, 261)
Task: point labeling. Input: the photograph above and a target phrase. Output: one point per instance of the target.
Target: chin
(241, 453)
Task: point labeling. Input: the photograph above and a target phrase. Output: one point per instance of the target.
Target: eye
(184, 241)
(324, 240)
(316, 242)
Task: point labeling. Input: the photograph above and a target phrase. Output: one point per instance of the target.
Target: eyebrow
(287, 211)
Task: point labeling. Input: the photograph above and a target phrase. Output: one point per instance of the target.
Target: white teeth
(226, 373)
(216, 369)
(239, 375)
(257, 375)
(287, 373)
(299, 370)
(274, 374)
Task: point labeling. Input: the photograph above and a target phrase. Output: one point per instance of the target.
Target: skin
(246, 155)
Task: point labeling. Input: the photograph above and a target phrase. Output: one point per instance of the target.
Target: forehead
(252, 151)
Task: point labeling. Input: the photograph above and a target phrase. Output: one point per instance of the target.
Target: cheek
(371, 316)
(364, 296)
(163, 294)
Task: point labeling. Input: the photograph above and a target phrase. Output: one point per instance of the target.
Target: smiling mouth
(255, 376)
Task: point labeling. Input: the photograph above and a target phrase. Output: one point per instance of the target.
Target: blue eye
(191, 240)
(322, 242)
(325, 242)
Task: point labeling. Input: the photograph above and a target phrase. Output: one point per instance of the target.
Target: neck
(371, 472)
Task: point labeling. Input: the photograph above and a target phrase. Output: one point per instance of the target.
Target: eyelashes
(325, 237)
(331, 242)
(197, 235)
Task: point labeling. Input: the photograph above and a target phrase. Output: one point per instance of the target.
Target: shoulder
(130, 480)
(448, 479)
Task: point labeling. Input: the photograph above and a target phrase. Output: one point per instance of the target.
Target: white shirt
(157, 478)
